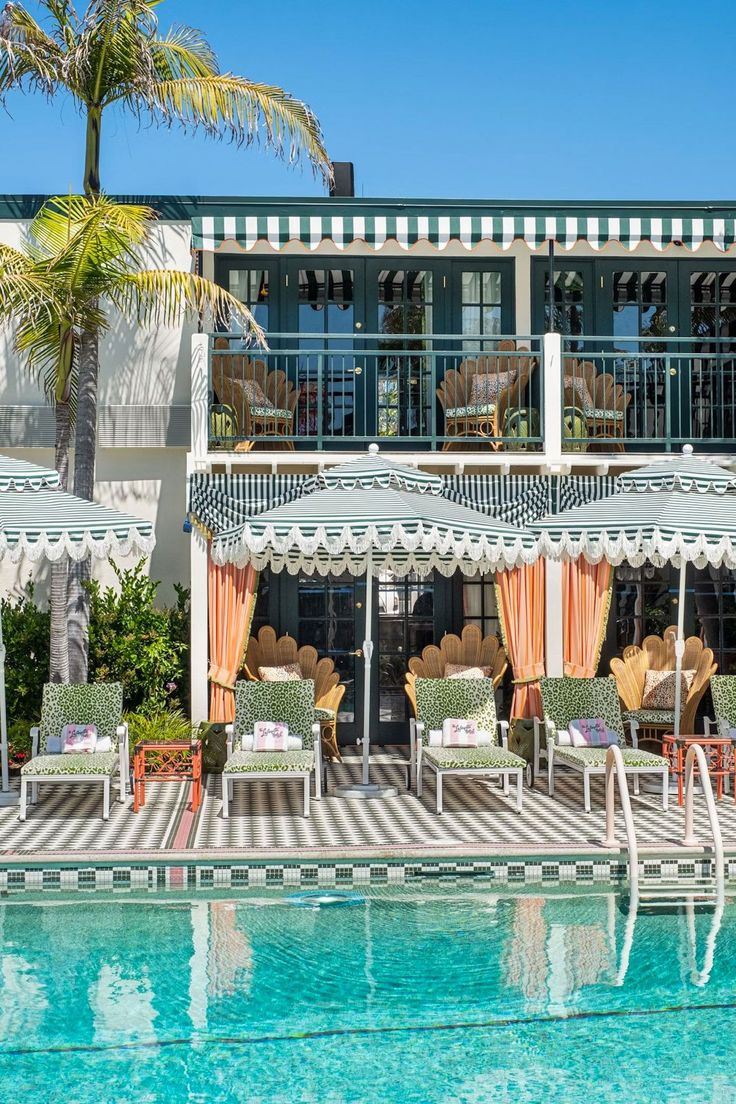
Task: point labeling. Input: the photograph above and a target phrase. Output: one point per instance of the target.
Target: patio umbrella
(38, 521)
(372, 515)
(680, 510)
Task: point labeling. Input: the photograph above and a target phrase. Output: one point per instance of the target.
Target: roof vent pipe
(343, 179)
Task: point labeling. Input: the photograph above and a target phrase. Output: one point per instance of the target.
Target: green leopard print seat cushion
(290, 702)
(570, 699)
(245, 762)
(650, 716)
(464, 699)
(459, 758)
(98, 762)
(321, 714)
(596, 757)
(723, 690)
(96, 703)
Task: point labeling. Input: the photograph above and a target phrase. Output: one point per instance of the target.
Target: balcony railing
(548, 395)
(413, 391)
(648, 395)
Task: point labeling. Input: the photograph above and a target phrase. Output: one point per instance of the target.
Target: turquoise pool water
(428, 995)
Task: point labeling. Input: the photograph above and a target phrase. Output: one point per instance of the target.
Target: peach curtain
(586, 600)
(232, 601)
(521, 612)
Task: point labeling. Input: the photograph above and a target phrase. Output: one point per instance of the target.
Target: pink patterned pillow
(593, 732)
(270, 736)
(76, 738)
(458, 733)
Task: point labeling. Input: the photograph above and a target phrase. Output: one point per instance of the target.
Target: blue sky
(496, 99)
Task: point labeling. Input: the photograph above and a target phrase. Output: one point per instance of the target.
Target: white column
(200, 394)
(552, 365)
(553, 618)
(199, 653)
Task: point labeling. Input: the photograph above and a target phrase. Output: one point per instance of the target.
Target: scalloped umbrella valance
(676, 511)
(371, 516)
(38, 521)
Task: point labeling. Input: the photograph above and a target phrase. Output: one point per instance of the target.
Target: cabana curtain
(521, 613)
(586, 601)
(232, 600)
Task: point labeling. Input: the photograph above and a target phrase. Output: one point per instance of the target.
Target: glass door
(325, 309)
(708, 378)
(405, 625)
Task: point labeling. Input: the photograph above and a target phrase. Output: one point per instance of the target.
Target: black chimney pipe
(343, 179)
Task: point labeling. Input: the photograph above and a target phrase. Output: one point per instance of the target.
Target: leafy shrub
(19, 743)
(26, 629)
(134, 642)
(163, 727)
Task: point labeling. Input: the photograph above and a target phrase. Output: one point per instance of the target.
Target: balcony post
(200, 395)
(552, 377)
(199, 631)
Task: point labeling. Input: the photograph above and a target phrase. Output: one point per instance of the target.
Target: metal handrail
(694, 752)
(615, 766)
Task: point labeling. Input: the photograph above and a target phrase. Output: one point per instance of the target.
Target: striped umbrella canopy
(38, 521)
(676, 511)
(372, 516)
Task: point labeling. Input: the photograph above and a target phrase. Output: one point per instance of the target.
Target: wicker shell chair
(232, 373)
(603, 403)
(657, 653)
(268, 650)
(465, 419)
(471, 648)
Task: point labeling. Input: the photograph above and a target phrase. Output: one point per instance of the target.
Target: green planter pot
(214, 747)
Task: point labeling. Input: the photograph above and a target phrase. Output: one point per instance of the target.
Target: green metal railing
(648, 395)
(316, 391)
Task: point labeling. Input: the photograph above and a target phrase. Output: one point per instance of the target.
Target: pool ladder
(667, 894)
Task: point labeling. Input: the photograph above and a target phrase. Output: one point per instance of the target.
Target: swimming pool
(421, 995)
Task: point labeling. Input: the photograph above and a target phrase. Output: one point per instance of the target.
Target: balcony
(538, 400)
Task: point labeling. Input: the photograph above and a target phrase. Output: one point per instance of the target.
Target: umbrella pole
(3, 713)
(365, 788)
(680, 645)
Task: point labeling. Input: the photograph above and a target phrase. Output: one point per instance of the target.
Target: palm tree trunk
(84, 485)
(59, 665)
(92, 152)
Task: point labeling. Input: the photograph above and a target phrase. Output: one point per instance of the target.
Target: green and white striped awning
(40, 522)
(409, 230)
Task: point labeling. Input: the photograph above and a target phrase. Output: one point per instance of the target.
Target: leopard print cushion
(579, 387)
(470, 699)
(271, 762)
(291, 702)
(566, 699)
(659, 689)
(287, 672)
(464, 670)
(485, 387)
(723, 689)
(255, 395)
(474, 758)
(97, 762)
(95, 703)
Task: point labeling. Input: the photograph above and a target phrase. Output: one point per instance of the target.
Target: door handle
(357, 370)
(673, 371)
(359, 325)
(358, 652)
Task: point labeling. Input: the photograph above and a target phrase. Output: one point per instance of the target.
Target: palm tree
(80, 267)
(113, 55)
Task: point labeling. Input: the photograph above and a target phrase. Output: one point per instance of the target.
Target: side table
(171, 761)
(719, 753)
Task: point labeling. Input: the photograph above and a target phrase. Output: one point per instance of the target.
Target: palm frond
(245, 111)
(164, 296)
(80, 235)
(25, 288)
(27, 52)
(182, 53)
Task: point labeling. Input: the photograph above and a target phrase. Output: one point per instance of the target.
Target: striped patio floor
(267, 818)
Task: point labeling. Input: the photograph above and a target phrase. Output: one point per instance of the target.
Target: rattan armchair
(657, 653)
(603, 402)
(471, 649)
(234, 375)
(464, 416)
(268, 650)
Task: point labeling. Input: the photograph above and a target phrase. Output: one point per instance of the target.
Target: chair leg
(318, 785)
(636, 785)
(23, 797)
(505, 784)
(34, 792)
(106, 799)
(438, 776)
(551, 776)
(586, 791)
(306, 796)
(225, 797)
(419, 778)
(665, 789)
(519, 789)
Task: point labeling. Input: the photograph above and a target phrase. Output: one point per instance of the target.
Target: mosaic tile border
(216, 876)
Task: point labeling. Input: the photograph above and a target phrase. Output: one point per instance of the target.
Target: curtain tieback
(221, 676)
(530, 672)
(575, 670)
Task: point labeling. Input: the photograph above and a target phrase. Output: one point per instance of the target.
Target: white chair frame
(588, 771)
(34, 780)
(272, 776)
(416, 732)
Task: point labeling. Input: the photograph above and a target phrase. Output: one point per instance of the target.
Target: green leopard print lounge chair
(291, 703)
(99, 704)
(723, 692)
(569, 699)
(442, 699)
